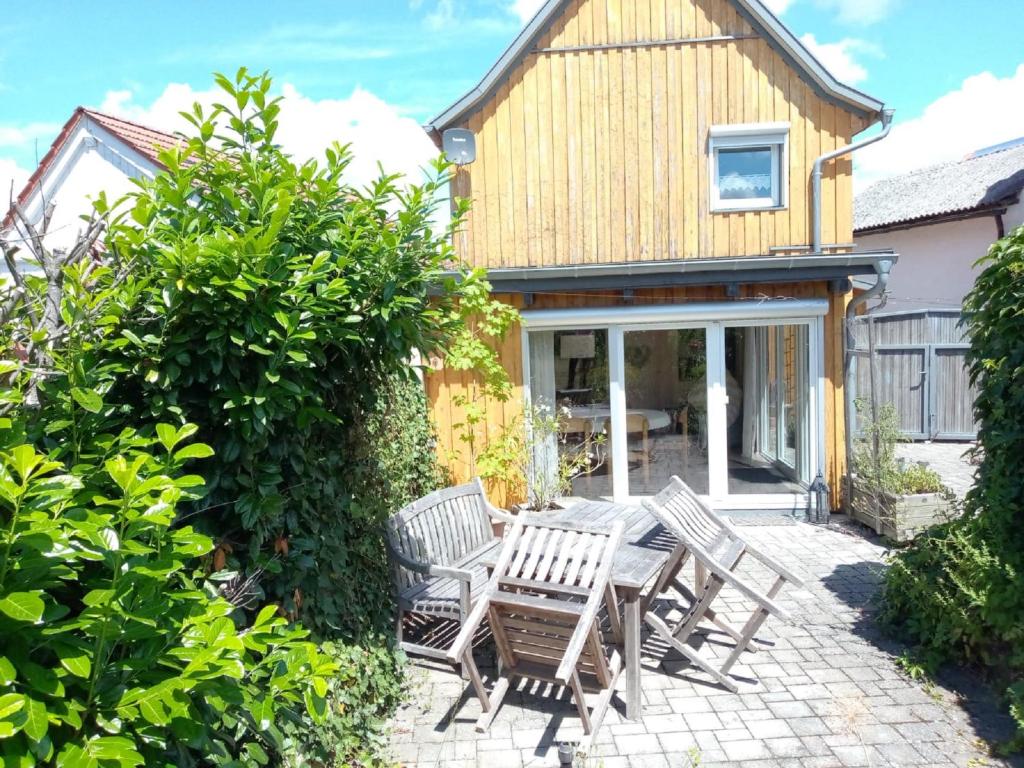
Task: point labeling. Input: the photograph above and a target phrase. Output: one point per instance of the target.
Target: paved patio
(831, 692)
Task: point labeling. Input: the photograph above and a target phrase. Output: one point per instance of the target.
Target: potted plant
(899, 499)
(538, 458)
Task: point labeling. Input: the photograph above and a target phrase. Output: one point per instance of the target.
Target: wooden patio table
(646, 548)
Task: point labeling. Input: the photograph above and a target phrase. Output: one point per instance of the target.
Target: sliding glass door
(666, 388)
(731, 407)
(768, 415)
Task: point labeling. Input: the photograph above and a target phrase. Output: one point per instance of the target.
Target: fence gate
(919, 361)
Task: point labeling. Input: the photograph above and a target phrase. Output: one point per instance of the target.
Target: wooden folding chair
(717, 549)
(542, 602)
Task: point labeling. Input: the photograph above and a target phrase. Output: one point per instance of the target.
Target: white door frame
(714, 317)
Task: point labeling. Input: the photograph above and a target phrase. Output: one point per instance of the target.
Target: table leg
(631, 651)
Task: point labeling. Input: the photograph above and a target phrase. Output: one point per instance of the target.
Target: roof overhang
(774, 31)
(678, 272)
(982, 211)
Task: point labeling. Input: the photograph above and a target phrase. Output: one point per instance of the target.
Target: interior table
(646, 548)
(600, 415)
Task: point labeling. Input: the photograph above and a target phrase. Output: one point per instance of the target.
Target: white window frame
(714, 317)
(771, 136)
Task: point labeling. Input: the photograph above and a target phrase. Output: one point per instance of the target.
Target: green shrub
(270, 302)
(116, 652)
(875, 463)
(958, 593)
(275, 307)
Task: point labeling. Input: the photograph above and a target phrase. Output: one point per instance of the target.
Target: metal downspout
(816, 175)
(882, 268)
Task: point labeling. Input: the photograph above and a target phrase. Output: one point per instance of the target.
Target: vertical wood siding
(601, 155)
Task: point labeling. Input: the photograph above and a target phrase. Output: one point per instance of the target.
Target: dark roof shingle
(978, 182)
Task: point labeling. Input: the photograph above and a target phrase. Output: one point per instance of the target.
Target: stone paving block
(702, 721)
(664, 723)
(732, 734)
(648, 761)
(900, 753)
(853, 756)
(808, 726)
(751, 749)
(770, 729)
(638, 744)
(787, 747)
(678, 742)
(788, 709)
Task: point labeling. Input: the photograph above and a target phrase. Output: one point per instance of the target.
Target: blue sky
(368, 71)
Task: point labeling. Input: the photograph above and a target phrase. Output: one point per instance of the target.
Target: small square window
(748, 167)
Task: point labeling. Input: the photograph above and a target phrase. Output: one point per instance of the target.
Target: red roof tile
(144, 140)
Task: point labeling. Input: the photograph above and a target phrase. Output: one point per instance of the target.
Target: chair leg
(488, 704)
(400, 615)
(665, 633)
(581, 701)
(686, 627)
(753, 624)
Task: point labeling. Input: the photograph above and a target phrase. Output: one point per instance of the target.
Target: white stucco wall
(91, 160)
(936, 262)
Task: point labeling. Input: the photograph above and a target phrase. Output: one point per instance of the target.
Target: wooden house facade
(641, 192)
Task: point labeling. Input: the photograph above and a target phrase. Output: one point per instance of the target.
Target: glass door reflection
(768, 413)
(666, 387)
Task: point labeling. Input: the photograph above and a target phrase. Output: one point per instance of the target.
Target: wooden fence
(918, 359)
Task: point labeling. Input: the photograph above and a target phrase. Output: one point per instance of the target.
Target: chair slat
(536, 552)
(516, 567)
(579, 555)
(555, 545)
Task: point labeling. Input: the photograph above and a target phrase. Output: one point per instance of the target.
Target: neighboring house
(941, 220)
(641, 191)
(93, 152)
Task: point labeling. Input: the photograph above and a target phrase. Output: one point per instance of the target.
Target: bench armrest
(429, 569)
(499, 514)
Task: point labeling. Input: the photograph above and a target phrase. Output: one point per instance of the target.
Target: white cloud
(839, 57)
(377, 131)
(985, 110)
(859, 11)
(778, 7)
(525, 9)
(23, 135)
(12, 179)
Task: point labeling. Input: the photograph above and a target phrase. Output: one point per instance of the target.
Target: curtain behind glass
(542, 395)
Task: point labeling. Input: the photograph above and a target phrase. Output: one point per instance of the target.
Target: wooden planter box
(902, 517)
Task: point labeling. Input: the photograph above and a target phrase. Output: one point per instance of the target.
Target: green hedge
(958, 593)
(273, 308)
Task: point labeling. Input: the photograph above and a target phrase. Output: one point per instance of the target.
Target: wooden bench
(436, 545)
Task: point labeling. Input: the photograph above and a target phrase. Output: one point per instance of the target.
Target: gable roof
(983, 181)
(753, 10)
(146, 141)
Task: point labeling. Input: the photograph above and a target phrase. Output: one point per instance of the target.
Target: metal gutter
(816, 174)
(665, 273)
(883, 268)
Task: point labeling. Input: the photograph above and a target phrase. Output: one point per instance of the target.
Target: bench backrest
(440, 528)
